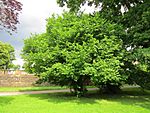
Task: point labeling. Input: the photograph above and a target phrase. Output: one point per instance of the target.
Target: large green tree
(76, 49)
(134, 15)
(6, 55)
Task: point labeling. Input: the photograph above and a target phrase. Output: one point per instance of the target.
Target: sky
(33, 20)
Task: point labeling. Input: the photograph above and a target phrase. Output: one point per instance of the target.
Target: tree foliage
(138, 31)
(6, 55)
(134, 15)
(9, 10)
(113, 6)
(76, 49)
(16, 67)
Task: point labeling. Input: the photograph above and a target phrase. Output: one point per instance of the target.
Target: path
(36, 92)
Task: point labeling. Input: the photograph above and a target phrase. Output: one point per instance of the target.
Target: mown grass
(37, 88)
(34, 88)
(128, 101)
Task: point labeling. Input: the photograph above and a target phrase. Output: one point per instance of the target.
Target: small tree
(76, 49)
(6, 56)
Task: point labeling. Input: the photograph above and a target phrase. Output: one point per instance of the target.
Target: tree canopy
(107, 5)
(6, 55)
(76, 49)
(135, 18)
(134, 15)
(137, 24)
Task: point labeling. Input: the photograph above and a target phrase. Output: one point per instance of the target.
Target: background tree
(109, 6)
(137, 24)
(9, 10)
(16, 67)
(6, 56)
(76, 49)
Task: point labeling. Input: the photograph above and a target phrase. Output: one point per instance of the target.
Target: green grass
(4, 89)
(40, 88)
(129, 101)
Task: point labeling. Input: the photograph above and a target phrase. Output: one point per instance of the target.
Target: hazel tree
(76, 49)
(134, 15)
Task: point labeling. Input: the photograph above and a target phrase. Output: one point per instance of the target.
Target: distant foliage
(137, 24)
(76, 49)
(7, 55)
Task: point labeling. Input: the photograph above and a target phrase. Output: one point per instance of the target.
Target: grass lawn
(129, 101)
(40, 88)
(4, 89)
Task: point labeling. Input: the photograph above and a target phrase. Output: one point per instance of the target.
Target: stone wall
(7, 80)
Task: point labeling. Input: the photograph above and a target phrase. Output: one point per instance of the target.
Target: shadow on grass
(4, 100)
(42, 88)
(58, 98)
(128, 97)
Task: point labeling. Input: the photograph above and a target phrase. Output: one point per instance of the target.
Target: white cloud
(33, 20)
(89, 9)
(35, 12)
(18, 61)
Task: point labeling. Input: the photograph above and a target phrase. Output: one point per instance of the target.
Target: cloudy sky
(32, 20)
